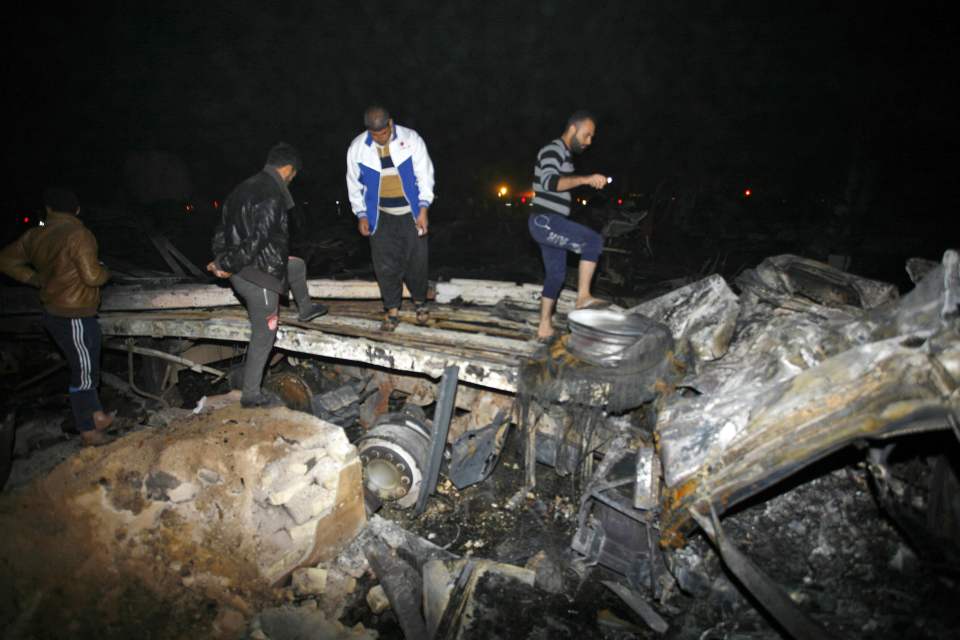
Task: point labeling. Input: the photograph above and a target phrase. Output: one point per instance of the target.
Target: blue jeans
(557, 234)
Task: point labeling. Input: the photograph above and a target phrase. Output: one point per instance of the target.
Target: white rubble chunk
(377, 600)
(309, 503)
(184, 492)
(310, 581)
(289, 485)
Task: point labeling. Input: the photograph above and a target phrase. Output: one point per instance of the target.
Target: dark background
(799, 100)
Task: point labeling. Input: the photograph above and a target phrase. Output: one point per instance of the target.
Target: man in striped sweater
(60, 258)
(549, 221)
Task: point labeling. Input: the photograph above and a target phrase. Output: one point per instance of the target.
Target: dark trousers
(79, 339)
(399, 257)
(263, 310)
(557, 234)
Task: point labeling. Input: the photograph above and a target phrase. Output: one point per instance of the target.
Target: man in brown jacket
(60, 258)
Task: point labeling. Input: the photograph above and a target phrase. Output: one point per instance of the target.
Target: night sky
(780, 96)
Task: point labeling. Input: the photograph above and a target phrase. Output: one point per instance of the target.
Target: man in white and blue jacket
(390, 184)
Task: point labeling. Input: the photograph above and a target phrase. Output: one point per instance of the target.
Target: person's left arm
(423, 170)
(83, 250)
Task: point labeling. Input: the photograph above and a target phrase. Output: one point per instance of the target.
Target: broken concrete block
(340, 449)
(309, 581)
(285, 488)
(309, 503)
(325, 472)
(377, 600)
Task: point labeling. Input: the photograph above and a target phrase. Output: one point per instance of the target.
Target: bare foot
(592, 303)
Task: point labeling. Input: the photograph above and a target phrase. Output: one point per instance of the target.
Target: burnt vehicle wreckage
(663, 418)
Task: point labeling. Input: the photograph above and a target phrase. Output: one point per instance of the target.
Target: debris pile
(216, 508)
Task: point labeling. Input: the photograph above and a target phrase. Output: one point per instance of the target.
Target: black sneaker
(263, 399)
(315, 311)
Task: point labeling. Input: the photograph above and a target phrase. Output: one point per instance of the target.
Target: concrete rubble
(223, 503)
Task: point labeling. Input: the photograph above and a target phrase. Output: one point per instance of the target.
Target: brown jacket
(61, 259)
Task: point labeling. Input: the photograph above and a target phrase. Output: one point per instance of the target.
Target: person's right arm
(550, 178)
(355, 192)
(596, 180)
(14, 263)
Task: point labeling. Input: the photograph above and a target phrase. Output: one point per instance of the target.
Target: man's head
(60, 200)
(378, 122)
(285, 160)
(581, 127)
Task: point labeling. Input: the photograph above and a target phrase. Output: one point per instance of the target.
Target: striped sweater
(553, 162)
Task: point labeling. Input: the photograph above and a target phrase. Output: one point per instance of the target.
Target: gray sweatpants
(263, 310)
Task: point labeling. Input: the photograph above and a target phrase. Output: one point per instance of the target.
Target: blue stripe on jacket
(370, 179)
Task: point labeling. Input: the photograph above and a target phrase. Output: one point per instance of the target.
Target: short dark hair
(579, 116)
(282, 154)
(60, 200)
(376, 117)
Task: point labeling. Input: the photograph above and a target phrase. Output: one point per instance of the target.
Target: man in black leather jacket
(251, 248)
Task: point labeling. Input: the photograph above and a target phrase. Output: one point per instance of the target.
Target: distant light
(26, 220)
(509, 204)
(619, 200)
(216, 204)
(188, 208)
(338, 202)
(523, 199)
(747, 193)
(502, 191)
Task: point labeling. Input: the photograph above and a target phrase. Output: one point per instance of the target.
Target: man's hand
(422, 222)
(364, 226)
(597, 181)
(220, 273)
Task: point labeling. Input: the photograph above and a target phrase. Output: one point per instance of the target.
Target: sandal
(390, 323)
(423, 315)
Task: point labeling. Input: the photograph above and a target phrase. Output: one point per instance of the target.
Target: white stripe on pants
(82, 353)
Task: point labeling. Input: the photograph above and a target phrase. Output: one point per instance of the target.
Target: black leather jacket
(253, 232)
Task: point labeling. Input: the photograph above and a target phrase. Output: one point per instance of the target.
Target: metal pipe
(156, 353)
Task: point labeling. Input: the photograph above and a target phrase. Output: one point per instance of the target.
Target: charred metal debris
(664, 417)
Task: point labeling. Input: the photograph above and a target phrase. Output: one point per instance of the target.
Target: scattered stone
(229, 623)
(309, 581)
(377, 600)
(208, 476)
